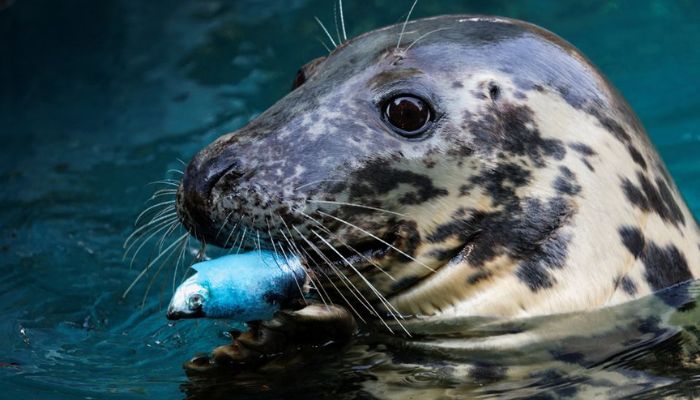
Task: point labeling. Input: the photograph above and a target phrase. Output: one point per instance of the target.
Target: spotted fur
(536, 191)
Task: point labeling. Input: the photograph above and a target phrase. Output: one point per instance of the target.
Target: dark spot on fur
(379, 178)
(478, 277)
(460, 149)
(501, 182)
(465, 190)
(566, 183)
(457, 84)
(668, 200)
(534, 276)
(611, 125)
(626, 284)
(637, 157)
(505, 128)
(461, 229)
(664, 266)
(582, 149)
(654, 198)
(527, 231)
(405, 283)
(633, 240)
(534, 272)
(443, 254)
(407, 239)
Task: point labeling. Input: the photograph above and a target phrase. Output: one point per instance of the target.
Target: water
(99, 98)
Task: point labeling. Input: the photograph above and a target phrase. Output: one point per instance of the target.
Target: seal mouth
(358, 255)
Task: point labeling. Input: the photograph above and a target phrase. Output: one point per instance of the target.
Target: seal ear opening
(307, 71)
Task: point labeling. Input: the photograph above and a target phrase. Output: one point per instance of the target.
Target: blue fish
(242, 287)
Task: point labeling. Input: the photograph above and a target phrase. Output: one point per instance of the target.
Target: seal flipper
(288, 339)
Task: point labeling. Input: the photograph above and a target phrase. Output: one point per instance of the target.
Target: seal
(434, 173)
(453, 166)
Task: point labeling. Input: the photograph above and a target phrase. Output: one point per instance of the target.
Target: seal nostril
(194, 195)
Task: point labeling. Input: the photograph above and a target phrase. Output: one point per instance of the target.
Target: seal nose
(194, 194)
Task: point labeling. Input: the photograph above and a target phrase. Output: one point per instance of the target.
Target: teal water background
(98, 98)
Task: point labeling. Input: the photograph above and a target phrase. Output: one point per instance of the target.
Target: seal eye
(195, 301)
(408, 115)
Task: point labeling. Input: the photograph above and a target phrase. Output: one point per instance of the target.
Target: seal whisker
(342, 19)
(335, 20)
(326, 31)
(166, 234)
(158, 270)
(245, 229)
(320, 225)
(149, 231)
(324, 45)
(166, 211)
(403, 28)
(177, 171)
(257, 234)
(224, 223)
(369, 306)
(343, 278)
(144, 231)
(163, 192)
(424, 36)
(284, 254)
(376, 238)
(332, 283)
(296, 281)
(180, 258)
(168, 182)
(151, 224)
(290, 240)
(143, 272)
(228, 238)
(355, 205)
(392, 311)
(161, 204)
(143, 243)
(347, 282)
(233, 245)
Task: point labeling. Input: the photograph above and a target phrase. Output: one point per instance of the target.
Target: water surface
(99, 98)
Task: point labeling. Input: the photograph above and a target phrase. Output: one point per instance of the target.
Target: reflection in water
(645, 348)
(100, 98)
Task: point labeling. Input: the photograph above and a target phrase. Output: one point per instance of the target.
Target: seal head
(479, 166)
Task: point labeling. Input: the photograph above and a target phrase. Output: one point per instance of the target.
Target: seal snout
(194, 197)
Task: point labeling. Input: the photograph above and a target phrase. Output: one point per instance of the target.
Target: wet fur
(536, 192)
